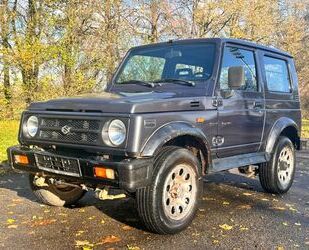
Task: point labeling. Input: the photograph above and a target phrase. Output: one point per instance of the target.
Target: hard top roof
(223, 40)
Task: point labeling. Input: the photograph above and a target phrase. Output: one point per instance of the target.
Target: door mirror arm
(227, 93)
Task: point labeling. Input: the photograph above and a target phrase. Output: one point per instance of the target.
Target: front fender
(170, 131)
(276, 130)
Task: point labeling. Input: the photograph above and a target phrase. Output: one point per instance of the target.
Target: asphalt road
(234, 214)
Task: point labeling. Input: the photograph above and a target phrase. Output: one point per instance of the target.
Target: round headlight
(116, 133)
(32, 126)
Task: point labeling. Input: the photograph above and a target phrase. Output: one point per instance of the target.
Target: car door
(241, 110)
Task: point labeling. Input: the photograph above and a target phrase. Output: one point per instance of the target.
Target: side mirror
(236, 77)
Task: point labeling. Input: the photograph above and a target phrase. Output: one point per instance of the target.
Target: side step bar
(238, 161)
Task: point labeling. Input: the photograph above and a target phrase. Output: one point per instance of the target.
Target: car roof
(223, 40)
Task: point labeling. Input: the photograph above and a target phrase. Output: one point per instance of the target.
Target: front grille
(80, 131)
(58, 164)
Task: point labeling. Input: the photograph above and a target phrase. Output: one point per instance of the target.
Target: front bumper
(130, 173)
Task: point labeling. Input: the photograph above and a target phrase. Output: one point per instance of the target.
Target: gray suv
(173, 113)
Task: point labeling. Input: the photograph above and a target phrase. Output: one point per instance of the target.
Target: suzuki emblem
(65, 129)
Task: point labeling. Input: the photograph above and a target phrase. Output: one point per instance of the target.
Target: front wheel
(277, 175)
(56, 195)
(168, 205)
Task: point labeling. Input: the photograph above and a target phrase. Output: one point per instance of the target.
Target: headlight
(114, 132)
(31, 126)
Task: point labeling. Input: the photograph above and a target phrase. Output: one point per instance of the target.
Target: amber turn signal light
(200, 120)
(21, 159)
(102, 172)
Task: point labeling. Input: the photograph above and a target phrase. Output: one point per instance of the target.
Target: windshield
(187, 62)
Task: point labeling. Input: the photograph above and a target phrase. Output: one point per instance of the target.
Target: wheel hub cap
(179, 193)
(285, 166)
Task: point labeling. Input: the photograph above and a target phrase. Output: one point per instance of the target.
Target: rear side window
(277, 75)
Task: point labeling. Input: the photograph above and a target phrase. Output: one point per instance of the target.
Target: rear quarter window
(277, 75)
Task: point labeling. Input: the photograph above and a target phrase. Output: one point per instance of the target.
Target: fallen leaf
(12, 205)
(244, 229)
(10, 212)
(111, 239)
(87, 248)
(297, 224)
(195, 234)
(10, 221)
(226, 203)
(226, 227)
(201, 209)
(13, 226)
(91, 218)
(264, 199)
(17, 200)
(244, 207)
(247, 194)
(127, 228)
(46, 211)
(79, 233)
(80, 243)
(102, 221)
(208, 199)
(43, 222)
(280, 248)
(285, 223)
(133, 247)
(279, 208)
(292, 209)
(215, 242)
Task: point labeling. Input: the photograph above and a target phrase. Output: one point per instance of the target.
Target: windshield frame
(214, 42)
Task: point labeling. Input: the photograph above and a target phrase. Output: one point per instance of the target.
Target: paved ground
(234, 214)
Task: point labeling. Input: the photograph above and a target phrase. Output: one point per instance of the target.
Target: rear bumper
(130, 173)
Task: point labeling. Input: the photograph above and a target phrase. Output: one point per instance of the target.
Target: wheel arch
(283, 127)
(179, 134)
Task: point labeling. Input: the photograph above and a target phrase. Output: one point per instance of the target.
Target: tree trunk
(6, 66)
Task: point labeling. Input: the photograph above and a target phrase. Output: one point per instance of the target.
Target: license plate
(58, 164)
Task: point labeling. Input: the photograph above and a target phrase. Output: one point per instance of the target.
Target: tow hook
(39, 181)
(102, 194)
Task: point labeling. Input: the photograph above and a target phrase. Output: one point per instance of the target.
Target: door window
(235, 57)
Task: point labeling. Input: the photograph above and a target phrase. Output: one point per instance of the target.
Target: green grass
(305, 127)
(8, 136)
(9, 131)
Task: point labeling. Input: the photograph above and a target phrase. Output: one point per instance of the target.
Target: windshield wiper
(139, 82)
(176, 81)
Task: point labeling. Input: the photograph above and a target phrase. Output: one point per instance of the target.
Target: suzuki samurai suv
(172, 113)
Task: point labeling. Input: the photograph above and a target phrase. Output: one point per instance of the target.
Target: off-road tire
(150, 198)
(54, 196)
(269, 172)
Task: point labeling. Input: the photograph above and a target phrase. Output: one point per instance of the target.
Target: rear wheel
(277, 175)
(169, 203)
(56, 195)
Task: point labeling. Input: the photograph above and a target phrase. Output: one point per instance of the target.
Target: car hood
(123, 102)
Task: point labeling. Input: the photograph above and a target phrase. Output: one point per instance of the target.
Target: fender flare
(170, 131)
(276, 130)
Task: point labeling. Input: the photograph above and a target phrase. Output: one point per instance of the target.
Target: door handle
(257, 105)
